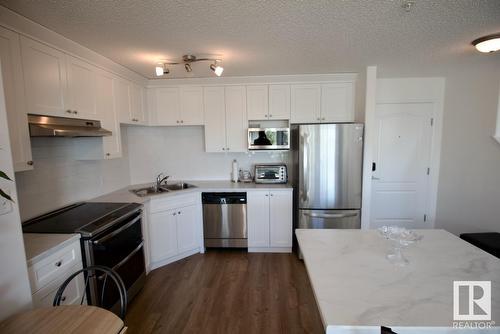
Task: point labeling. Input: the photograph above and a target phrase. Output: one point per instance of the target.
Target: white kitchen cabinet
(337, 102)
(258, 218)
(163, 235)
(305, 103)
(280, 218)
(81, 91)
(257, 102)
(175, 228)
(215, 119)
(236, 119)
(187, 223)
(45, 78)
(172, 106)
(129, 102)
(191, 105)
(279, 102)
(105, 104)
(269, 217)
(13, 84)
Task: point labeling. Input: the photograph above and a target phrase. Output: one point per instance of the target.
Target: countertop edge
(50, 250)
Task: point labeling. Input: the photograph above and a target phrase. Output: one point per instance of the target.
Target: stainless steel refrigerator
(327, 172)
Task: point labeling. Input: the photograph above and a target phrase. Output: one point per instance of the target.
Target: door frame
(402, 91)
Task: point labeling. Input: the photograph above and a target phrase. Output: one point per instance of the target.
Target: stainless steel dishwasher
(225, 220)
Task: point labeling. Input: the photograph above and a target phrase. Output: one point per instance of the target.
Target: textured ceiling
(259, 37)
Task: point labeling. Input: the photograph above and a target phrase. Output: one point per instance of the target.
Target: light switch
(5, 204)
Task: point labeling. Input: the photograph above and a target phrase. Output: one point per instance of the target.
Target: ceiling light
(188, 67)
(490, 43)
(161, 69)
(217, 69)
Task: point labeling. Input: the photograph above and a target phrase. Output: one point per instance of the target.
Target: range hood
(51, 126)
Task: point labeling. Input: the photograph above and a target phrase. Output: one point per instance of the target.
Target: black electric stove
(88, 219)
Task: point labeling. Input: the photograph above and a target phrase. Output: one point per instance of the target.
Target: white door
(400, 182)
(279, 102)
(280, 218)
(105, 104)
(305, 103)
(236, 119)
(186, 228)
(168, 106)
(258, 218)
(163, 235)
(191, 105)
(337, 102)
(81, 88)
(215, 119)
(45, 79)
(12, 72)
(257, 102)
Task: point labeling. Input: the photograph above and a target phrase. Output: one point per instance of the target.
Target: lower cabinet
(269, 215)
(47, 274)
(174, 229)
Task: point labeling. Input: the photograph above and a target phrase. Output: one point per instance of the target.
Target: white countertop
(355, 285)
(41, 245)
(124, 194)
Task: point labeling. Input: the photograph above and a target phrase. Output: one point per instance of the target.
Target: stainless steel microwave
(268, 139)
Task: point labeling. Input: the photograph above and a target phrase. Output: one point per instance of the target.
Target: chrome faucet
(161, 179)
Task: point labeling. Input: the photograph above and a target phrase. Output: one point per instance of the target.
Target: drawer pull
(58, 263)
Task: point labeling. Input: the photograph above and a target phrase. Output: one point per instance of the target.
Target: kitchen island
(358, 290)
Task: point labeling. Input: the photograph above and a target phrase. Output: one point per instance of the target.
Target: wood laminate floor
(227, 291)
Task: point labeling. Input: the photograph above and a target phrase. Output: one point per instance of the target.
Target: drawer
(175, 201)
(50, 268)
(72, 294)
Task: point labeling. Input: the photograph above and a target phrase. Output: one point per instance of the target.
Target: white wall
(58, 179)
(180, 153)
(469, 184)
(15, 293)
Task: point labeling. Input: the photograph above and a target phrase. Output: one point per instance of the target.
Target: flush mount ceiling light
(187, 60)
(486, 44)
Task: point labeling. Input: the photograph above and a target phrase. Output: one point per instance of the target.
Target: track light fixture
(162, 69)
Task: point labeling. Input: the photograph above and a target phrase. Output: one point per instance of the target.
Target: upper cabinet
(13, 84)
(82, 92)
(129, 101)
(45, 79)
(169, 106)
(225, 119)
(268, 102)
(326, 102)
(257, 102)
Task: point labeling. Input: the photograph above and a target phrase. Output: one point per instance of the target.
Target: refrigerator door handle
(330, 215)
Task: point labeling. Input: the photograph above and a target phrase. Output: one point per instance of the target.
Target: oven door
(122, 249)
(268, 139)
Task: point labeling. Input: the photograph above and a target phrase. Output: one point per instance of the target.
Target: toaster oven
(276, 173)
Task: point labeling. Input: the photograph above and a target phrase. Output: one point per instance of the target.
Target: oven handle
(115, 232)
(122, 262)
(330, 215)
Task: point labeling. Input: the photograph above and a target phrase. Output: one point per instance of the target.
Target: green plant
(3, 193)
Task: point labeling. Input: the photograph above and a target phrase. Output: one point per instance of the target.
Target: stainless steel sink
(178, 186)
(148, 191)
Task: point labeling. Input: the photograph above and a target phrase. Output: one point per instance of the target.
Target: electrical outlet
(5, 204)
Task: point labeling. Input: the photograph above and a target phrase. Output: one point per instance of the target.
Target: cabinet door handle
(271, 195)
(58, 263)
(179, 213)
(108, 154)
(63, 298)
(270, 115)
(267, 195)
(323, 119)
(30, 163)
(177, 122)
(75, 112)
(175, 213)
(223, 149)
(227, 148)
(182, 121)
(69, 111)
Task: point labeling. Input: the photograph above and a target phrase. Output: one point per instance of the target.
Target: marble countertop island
(358, 290)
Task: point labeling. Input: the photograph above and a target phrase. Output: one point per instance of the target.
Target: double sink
(155, 190)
